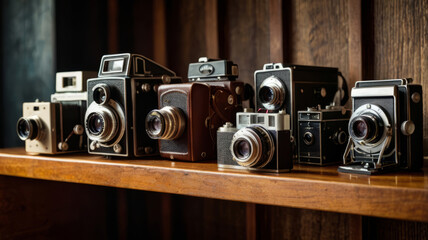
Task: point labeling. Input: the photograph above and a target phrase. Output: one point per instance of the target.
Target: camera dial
(167, 123)
(272, 93)
(340, 137)
(252, 147)
(101, 93)
(29, 128)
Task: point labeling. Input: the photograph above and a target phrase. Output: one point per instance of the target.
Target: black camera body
(57, 127)
(322, 135)
(385, 128)
(207, 69)
(118, 102)
(260, 142)
(292, 88)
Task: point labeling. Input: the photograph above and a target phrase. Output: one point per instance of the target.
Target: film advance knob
(407, 127)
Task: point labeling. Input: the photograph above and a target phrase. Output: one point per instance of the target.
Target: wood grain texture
(292, 223)
(396, 40)
(378, 228)
(35, 209)
(396, 195)
(186, 40)
(319, 32)
(244, 35)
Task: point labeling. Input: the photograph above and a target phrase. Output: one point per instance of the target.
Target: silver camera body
(385, 128)
(57, 126)
(260, 142)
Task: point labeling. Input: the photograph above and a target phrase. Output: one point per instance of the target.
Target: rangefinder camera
(385, 127)
(260, 142)
(57, 126)
(118, 102)
(323, 135)
(187, 120)
(292, 88)
(224, 74)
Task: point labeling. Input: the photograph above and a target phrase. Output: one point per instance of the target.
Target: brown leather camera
(189, 115)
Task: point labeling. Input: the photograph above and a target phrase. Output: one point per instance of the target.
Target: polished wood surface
(399, 195)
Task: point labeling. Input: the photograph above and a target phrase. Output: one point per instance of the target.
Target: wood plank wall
(365, 39)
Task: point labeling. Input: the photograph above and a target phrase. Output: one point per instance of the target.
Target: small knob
(407, 128)
(117, 148)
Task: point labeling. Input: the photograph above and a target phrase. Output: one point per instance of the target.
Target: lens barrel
(28, 128)
(365, 127)
(101, 93)
(272, 93)
(102, 124)
(167, 123)
(252, 147)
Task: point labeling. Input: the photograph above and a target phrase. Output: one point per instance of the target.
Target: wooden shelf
(400, 195)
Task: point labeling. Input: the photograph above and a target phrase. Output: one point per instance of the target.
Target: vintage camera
(323, 134)
(187, 119)
(261, 142)
(292, 88)
(221, 73)
(118, 102)
(385, 127)
(57, 126)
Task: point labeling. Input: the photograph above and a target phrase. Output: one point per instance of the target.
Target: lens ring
(308, 138)
(261, 147)
(242, 149)
(29, 128)
(96, 123)
(342, 137)
(272, 93)
(171, 123)
(101, 93)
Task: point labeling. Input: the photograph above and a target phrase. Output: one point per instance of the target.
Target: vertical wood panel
(291, 223)
(36, 209)
(186, 40)
(112, 21)
(378, 228)
(159, 32)
(245, 35)
(319, 33)
(399, 43)
(354, 44)
(276, 31)
(251, 223)
(211, 28)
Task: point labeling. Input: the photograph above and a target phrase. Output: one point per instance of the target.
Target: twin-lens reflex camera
(385, 127)
(118, 102)
(190, 113)
(260, 142)
(57, 126)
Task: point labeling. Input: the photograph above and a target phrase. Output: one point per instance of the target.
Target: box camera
(261, 142)
(292, 88)
(322, 135)
(57, 126)
(187, 119)
(385, 127)
(118, 102)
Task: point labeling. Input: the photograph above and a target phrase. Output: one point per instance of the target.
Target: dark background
(366, 40)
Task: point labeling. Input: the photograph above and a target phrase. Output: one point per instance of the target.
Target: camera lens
(252, 147)
(365, 127)
(95, 124)
(155, 125)
(272, 93)
(167, 123)
(27, 128)
(243, 149)
(101, 93)
(308, 138)
(266, 94)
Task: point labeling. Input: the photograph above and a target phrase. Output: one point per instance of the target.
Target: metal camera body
(187, 119)
(260, 142)
(323, 135)
(293, 87)
(118, 102)
(385, 127)
(57, 126)
(221, 73)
